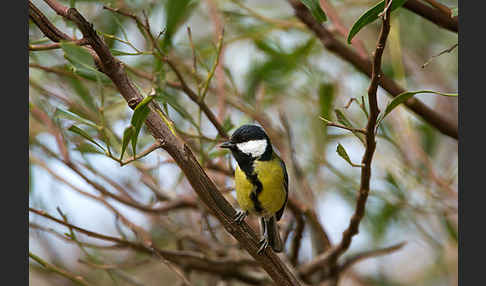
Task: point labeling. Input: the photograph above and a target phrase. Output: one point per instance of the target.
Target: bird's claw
(263, 244)
(240, 216)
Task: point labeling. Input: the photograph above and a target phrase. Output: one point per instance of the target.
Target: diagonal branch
(180, 152)
(432, 14)
(365, 66)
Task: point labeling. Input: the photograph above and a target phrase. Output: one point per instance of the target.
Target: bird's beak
(227, 145)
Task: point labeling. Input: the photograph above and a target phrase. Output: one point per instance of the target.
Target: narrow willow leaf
(326, 96)
(83, 133)
(77, 54)
(139, 114)
(69, 115)
(451, 229)
(342, 152)
(401, 98)
(87, 148)
(127, 135)
(315, 9)
(371, 15)
(82, 62)
(176, 13)
(341, 118)
(82, 92)
(171, 99)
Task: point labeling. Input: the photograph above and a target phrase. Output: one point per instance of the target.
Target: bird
(261, 182)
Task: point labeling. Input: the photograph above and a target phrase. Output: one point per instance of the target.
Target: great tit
(261, 182)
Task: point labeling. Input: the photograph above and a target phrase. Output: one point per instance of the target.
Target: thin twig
(434, 118)
(53, 46)
(231, 268)
(181, 153)
(448, 50)
(75, 278)
(330, 258)
(194, 58)
(334, 124)
(368, 254)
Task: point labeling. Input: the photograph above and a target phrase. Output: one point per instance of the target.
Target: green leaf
(77, 54)
(69, 115)
(394, 185)
(82, 92)
(371, 15)
(138, 117)
(341, 118)
(381, 220)
(82, 62)
(401, 98)
(274, 71)
(315, 9)
(127, 135)
(176, 13)
(429, 138)
(171, 99)
(342, 152)
(451, 230)
(326, 94)
(83, 133)
(86, 148)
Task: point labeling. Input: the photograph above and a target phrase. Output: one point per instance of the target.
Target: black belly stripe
(254, 195)
(253, 178)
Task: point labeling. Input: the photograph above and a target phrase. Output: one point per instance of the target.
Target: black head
(249, 143)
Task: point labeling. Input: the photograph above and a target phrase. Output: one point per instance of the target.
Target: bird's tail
(273, 234)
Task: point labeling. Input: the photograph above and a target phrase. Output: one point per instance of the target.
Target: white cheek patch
(254, 148)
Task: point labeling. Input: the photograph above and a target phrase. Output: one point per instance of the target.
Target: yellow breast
(272, 197)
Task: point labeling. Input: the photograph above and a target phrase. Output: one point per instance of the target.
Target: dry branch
(179, 151)
(432, 14)
(365, 66)
(329, 259)
(229, 268)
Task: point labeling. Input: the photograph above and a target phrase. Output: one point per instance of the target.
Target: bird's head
(249, 143)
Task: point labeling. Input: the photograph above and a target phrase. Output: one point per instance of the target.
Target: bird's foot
(263, 244)
(240, 216)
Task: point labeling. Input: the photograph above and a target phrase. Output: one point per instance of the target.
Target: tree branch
(432, 14)
(330, 258)
(365, 66)
(368, 254)
(229, 268)
(180, 152)
(75, 278)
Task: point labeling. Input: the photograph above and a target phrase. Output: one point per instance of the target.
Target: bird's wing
(279, 213)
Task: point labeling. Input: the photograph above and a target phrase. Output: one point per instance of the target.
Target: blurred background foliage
(271, 67)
